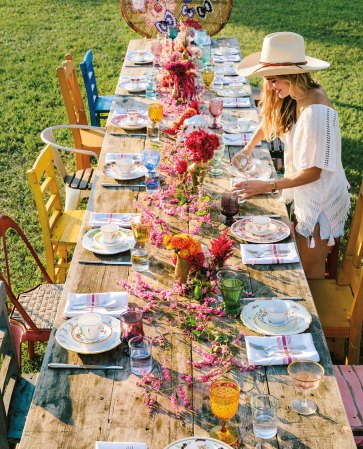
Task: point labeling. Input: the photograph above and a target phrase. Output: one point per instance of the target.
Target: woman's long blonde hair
(278, 115)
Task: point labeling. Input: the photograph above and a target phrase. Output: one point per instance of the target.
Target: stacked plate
(244, 230)
(93, 241)
(112, 170)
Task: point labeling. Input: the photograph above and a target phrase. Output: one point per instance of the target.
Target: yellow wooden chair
(60, 228)
(340, 302)
(84, 139)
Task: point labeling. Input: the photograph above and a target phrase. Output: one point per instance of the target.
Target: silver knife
(130, 95)
(70, 365)
(104, 262)
(127, 135)
(250, 216)
(110, 184)
(267, 298)
(130, 187)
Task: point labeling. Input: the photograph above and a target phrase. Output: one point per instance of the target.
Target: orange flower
(183, 244)
(184, 253)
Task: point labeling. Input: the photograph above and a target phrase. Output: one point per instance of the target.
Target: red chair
(35, 309)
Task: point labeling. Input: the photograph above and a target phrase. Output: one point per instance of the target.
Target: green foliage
(34, 37)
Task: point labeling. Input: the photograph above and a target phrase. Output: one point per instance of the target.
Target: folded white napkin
(80, 303)
(111, 157)
(238, 140)
(119, 445)
(269, 257)
(122, 219)
(240, 102)
(284, 353)
(226, 58)
(227, 80)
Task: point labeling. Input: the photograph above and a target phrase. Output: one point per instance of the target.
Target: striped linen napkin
(239, 102)
(269, 258)
(80, 303)
(226, 58)
(240, 139)
(119, 445)
(284, 353)
(101, 218)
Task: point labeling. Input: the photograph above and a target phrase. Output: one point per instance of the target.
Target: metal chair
(99, 106)
(340, 302)
(60, 228)
(34, 310)
(84, 139)
(78, 183)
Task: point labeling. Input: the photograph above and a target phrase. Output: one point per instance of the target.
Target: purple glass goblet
(216, 108)
(229, 207)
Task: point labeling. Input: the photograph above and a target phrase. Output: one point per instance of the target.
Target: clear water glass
(140, 258)
(200, 37)
(217, 160)
(264, 418)
(205, 54)
(150, 159)
(152, 132)
(140, 355)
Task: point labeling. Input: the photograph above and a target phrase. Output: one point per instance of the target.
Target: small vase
(181, 269)
(176, 90)
(197, 172)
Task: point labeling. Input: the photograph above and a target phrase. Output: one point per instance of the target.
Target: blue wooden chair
(99, 106)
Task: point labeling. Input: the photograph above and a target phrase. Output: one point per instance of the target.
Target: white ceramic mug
(278, 311)
(125, 165)
(110, 232)
(260, 223)
(244, 125)
(132, 116)
(91, 325)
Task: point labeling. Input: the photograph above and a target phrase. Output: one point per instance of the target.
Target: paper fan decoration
(149, 17)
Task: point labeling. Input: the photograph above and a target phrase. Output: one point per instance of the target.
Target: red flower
(202, 145)
(182, 166)
(196, 261)
(221, 249)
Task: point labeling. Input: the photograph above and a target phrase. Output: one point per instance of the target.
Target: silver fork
(272, 348)
(258, 254)
(84, 307)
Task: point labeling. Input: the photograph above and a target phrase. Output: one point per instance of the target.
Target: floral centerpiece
(185, 247)
(182, 75)
(201, 146)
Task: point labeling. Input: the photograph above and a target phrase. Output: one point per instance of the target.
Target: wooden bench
(16, 391)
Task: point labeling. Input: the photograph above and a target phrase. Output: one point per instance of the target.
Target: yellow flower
(167, 241)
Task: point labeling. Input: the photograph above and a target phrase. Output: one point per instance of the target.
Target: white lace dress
(314, 141)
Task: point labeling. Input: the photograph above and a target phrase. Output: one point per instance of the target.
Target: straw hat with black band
(282, 53)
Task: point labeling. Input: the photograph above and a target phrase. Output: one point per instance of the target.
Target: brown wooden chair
(35, 309)
(16, 391)
(84, 139)
(340, 302)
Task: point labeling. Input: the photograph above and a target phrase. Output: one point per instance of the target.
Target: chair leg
(339, 350)
(73, 197)
(31, 348)
(61, 265)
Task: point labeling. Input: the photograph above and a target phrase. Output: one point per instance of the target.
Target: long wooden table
(75, 408)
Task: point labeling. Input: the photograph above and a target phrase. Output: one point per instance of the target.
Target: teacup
(244, 125)
(132, 116)
(278, 311)
(91, 325)
(125, 165)
(260, 223)
(135, 83)
(110, 233)
(140, 55)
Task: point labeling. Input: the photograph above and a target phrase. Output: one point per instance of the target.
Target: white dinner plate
(198, 443)
(240, 230)
(233, 128)
(227, 51)
(221, 70)
(65, 337)
(232, 92)
(89, 243)
(112, 170)
(251, 312)
(122, 122)
(141, 87)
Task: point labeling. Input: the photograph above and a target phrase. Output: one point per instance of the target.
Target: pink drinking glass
(216, 108)
(156, 50)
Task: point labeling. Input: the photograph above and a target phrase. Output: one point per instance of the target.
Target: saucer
(240, 230)
(135, 88)
(105, 333)
(99, 240)
(112, 170)
(198, 443)
(122, 122)
(89, 243)
(252, 312)
(263, 320)
(67, 337)
(235, 129)
(271, 229)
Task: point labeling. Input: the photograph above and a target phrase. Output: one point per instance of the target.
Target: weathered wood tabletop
(75, 408)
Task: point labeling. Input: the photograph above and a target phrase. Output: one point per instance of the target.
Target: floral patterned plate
(240, 229)
(251, 317)
(198, 443)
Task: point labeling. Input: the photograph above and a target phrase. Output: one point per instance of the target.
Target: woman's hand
(246, 189)
(246, 152)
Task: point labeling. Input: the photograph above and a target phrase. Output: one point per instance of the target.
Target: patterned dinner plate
(198, 443)
(252, 313)
(122, 122)
(66, 337)
(112, 170)
(241, 230)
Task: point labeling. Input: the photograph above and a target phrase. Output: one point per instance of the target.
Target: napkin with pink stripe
(273, 257)
(238, 102)
(80, 303)
(284, 353)
(240, 139)
(101, 218)
(119, 445)
(226, 58)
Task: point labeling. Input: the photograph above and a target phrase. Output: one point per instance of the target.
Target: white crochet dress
(314, 141)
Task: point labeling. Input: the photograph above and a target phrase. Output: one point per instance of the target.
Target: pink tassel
(312, 243)
(331, 241)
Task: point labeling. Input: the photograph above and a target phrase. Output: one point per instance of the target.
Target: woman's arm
(247, 150)
(250, 188)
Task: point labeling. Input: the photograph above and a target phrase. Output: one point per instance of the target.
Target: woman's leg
(313, 259)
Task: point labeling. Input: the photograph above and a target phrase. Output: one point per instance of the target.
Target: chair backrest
(89, 78)
(148, 18)
(10, 371)
(6, 224)
(43, 182)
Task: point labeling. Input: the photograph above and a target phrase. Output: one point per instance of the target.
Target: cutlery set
(74, 366)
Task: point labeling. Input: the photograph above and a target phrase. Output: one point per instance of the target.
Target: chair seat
(41, 304)
(67, 228)
(80, 180)
(333, 304)
(103, 103)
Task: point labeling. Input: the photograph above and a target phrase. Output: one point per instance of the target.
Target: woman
(296, 109)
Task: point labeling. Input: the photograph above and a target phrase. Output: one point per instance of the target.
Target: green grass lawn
(34, 37)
